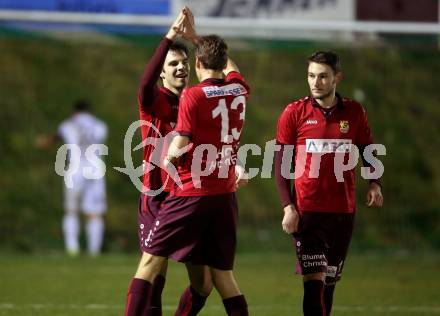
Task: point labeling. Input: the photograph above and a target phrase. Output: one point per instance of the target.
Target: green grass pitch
(53, 284)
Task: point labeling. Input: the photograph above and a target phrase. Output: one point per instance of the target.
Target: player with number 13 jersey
(212, 115)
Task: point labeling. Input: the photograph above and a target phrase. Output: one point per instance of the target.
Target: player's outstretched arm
(284, 186)
(189, 31)
(230, 66)
(178, 25)
(154, 67)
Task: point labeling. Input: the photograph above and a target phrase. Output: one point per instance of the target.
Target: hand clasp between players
(184, 26)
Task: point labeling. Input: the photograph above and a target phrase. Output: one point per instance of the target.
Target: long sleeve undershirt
(284, 186)
(152, 73)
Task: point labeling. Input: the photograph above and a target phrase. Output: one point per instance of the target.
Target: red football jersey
(317, 134)
(158, 108)
(212, 114)
(161, 116)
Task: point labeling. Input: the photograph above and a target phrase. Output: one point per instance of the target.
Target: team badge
(344, 127)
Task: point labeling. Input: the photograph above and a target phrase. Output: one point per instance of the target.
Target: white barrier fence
(233, 27)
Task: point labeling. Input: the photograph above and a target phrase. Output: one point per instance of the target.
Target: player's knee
(152, 262)
(203, 286)
(164, 268)
(225, 283)
(150, 266)
(320, 276)
(201, 279)
(220, 278)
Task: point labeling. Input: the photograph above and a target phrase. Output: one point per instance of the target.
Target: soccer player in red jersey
(159, 107)
(198, 221)
(319, 211)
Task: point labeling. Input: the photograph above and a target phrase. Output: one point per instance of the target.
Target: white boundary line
(226, 24)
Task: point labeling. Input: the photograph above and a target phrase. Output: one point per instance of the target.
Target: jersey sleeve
(364, 136)
(187, 117)
(284, 185)
(286, 128)
(235, 76)
(148, 86)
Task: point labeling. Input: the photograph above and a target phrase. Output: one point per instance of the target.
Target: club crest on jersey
(344, 127)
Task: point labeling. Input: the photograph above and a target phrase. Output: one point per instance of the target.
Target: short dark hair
(328, 58)
(179, 46)
(81, 105)
(212, 52)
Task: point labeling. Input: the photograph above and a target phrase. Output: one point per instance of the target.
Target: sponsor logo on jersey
(344, 127)
(308, 261)
(234, 89)
(312, 122)
(328, 145)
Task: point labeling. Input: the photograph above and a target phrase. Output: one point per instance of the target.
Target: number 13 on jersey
(223, 111)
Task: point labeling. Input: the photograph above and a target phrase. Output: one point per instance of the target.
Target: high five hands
(183, 26)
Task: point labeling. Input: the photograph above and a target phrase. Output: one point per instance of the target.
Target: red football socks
(236, 306)
(313, 302)
(328, 298)
(154, 305)
(190, 303)
(138, 293)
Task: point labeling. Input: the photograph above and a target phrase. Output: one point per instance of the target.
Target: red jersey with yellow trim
(212, 114)
(319, 134)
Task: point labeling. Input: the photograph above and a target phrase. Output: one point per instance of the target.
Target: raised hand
(189, 32)
(184, 26)
(177, 27)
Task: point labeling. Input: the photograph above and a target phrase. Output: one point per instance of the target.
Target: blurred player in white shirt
(87, 195)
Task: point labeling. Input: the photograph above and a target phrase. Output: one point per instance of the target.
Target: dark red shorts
(198, 229)
(322, 243)
(148, 210)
